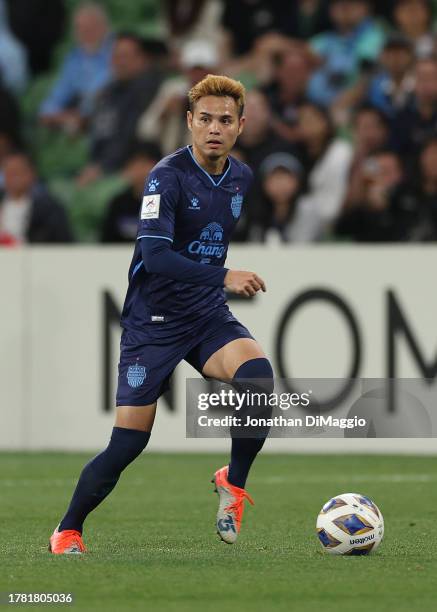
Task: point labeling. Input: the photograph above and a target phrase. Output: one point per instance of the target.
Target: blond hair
(218, 85)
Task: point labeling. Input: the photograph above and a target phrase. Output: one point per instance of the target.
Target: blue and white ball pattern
(350, 524)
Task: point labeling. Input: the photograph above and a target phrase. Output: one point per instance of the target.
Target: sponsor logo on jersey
(236, 204)
(136, 375)
(150, 206)
(210, 243)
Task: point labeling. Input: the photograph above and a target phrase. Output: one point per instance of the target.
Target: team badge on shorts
(136, 375)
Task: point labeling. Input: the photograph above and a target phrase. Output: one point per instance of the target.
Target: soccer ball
(350, 524)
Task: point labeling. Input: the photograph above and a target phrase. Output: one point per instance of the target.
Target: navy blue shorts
(144, 369)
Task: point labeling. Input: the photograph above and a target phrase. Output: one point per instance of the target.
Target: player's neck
(212, 166)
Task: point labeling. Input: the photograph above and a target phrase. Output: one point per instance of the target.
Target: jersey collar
(207, 173)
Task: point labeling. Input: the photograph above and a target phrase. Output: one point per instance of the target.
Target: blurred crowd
(341, 114)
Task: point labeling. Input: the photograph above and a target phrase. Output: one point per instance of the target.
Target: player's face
(215, 125)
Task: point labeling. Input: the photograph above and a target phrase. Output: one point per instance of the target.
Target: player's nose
(214, 127)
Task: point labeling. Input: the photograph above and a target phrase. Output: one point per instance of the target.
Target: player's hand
(244, 283)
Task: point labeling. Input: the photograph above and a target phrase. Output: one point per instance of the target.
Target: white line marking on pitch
(274, 480)
(37, 482)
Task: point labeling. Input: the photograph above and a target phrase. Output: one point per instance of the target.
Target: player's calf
(254, 376)
(96, 481)
(254, 381)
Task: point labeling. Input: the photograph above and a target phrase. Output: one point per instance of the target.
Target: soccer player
(175, 306)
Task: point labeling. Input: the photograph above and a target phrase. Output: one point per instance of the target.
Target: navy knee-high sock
(101, 474)
(243, 453)
(244, 450)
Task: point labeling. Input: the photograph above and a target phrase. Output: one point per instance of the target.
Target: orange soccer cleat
(231, 506)
(68, 542)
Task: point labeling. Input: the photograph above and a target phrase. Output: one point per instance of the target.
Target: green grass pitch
(152, 543)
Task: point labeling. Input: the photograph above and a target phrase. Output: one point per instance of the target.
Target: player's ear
(189, 120)
(242, 121)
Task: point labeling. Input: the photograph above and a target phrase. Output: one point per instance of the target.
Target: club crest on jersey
(194, 204)
(136, 375)
(153, 185)
(236, 204)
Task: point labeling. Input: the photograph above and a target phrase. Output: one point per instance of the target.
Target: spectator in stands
(413, 19)
(327, 161)
(13, 59)
(245, 21)
(272, 212)
(257, 141)
(288, 90)
(7, 145)
(387, 87)
(84, 71)
(165, 120)
(113, 125)
(414, 204)
(188, 20)
(371, 130)
(371, 218)
(39, 25)
(28, 212)
(371, 134)
(120, 223)
(305, 18)
(10, 125)
(391, 87)
(351, 47)
(10, 122)
(258, 32)
(418, 121)
(259, 137)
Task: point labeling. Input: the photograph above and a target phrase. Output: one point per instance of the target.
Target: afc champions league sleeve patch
(150, 206)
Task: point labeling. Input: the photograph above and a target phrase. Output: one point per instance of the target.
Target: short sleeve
(158, 207)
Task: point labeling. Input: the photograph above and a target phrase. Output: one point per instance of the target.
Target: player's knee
(259, 372)
(254, 379)
(126, 445)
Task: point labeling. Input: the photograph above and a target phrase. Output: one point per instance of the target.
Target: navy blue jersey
(196, 213)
